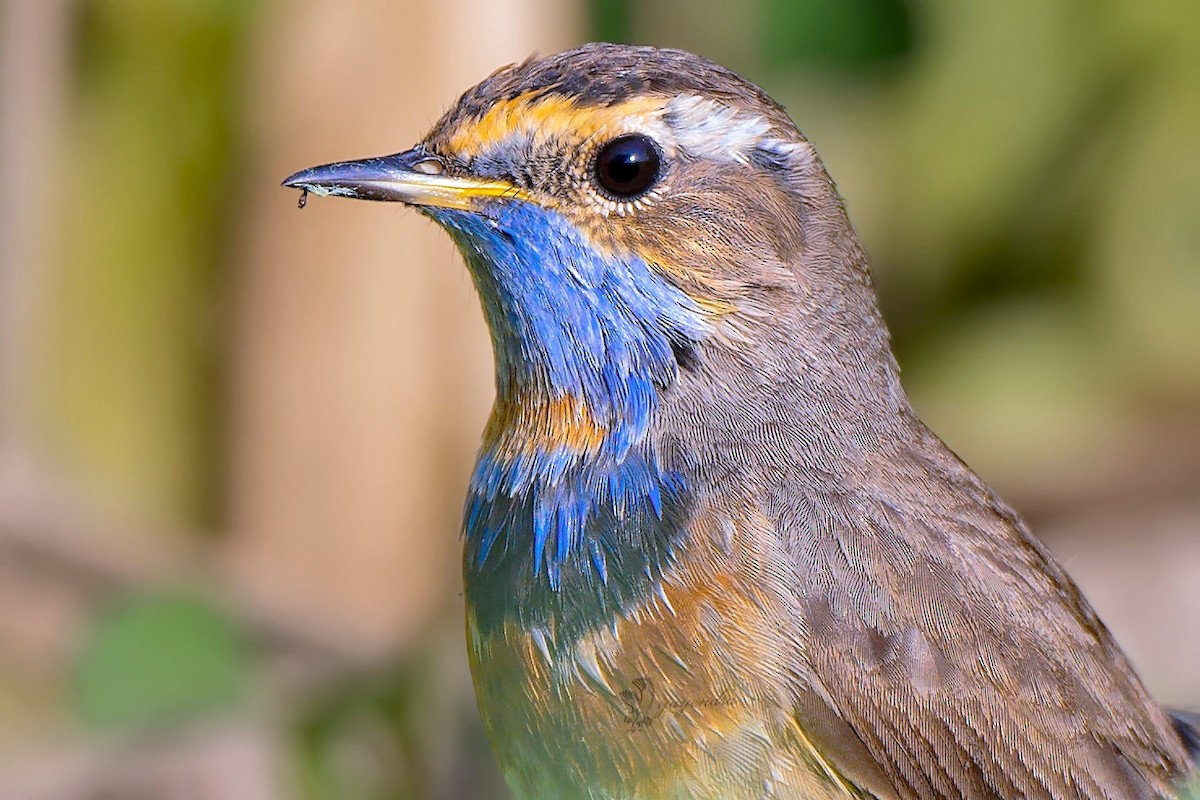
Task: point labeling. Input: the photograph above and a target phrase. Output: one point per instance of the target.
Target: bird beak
(414, 177)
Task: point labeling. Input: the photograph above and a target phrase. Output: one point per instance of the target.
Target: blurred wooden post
(363, 371)
(34, 42)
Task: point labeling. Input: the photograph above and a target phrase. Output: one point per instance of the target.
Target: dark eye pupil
(627, 166)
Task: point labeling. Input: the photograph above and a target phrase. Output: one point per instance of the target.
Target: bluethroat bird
(710, 550)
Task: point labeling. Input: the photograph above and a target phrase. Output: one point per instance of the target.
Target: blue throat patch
(549, 529)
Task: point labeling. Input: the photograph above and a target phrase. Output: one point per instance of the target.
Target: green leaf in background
(156, 658)
(849, 35)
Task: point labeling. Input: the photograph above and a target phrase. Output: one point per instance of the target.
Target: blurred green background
(234, 437)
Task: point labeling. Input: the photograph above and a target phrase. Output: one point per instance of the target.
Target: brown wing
(962, 655)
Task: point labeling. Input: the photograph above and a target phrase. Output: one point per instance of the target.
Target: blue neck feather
(570, 321)
(567, 319)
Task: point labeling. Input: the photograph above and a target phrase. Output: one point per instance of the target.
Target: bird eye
(627, 166)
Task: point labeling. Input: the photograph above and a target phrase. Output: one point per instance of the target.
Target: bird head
(630, 214)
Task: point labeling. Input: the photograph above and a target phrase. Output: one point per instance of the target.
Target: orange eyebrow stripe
(533, 114)
(560, 423)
